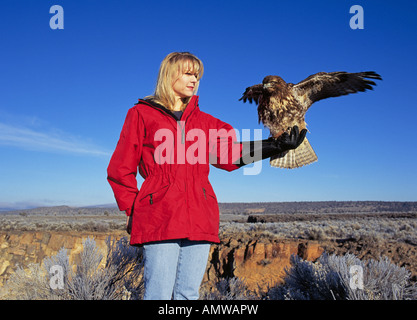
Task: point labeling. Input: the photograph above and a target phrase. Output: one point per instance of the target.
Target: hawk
(283, 105)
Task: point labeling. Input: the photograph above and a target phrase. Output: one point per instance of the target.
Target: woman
(175, 214)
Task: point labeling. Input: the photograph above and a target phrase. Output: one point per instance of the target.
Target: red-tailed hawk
(283, 105)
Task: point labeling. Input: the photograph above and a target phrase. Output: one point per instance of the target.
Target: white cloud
(31, 139)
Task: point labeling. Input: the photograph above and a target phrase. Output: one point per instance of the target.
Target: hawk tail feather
(296, 158)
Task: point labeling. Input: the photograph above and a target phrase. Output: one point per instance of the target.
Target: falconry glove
(262, 149)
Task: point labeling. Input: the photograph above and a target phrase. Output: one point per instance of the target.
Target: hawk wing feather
(324, 85)
(253, 93)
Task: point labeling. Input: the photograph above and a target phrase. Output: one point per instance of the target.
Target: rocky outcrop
(257, 261)
(23, 248)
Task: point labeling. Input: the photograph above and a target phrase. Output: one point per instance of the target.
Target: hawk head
(273, 84)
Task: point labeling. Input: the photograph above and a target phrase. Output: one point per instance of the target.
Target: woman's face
(184, 86)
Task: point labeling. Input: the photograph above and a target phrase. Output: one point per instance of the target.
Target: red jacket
(176, 200)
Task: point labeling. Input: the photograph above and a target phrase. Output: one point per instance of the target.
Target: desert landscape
(257, 239)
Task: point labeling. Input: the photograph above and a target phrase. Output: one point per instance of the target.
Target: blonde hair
(172, 67)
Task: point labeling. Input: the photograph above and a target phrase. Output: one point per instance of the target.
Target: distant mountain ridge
(62, 210)
(320, 207)
(243, 208)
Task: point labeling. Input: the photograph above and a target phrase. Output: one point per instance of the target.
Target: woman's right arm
(123, 166)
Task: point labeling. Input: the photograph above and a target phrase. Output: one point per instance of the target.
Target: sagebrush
(119, 276)
(330, 279)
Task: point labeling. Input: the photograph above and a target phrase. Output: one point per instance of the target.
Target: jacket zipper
(182, 132)
(167, 112)
(204, 191)
(150, 198)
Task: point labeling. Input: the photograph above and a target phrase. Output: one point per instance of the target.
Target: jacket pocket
(154, 196)
(210, 209)
(208, 193)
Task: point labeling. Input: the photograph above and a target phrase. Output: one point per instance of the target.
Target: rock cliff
(23, 248)
(258, 262)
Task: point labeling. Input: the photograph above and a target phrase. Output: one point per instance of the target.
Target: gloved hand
(291, 141)
(259, 150)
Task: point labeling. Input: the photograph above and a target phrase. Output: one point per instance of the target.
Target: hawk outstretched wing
(324, 85)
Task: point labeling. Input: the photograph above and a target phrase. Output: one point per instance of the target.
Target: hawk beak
(267, 85)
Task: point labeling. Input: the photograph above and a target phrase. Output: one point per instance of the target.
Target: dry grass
(403, 230)
(97, 223)
(306, 220)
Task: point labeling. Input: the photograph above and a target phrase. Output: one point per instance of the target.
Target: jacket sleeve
(123, 166)
(225, 150)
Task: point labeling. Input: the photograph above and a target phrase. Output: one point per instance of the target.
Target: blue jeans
(174, 269)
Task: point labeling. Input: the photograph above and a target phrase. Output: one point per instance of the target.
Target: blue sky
(64, 94)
